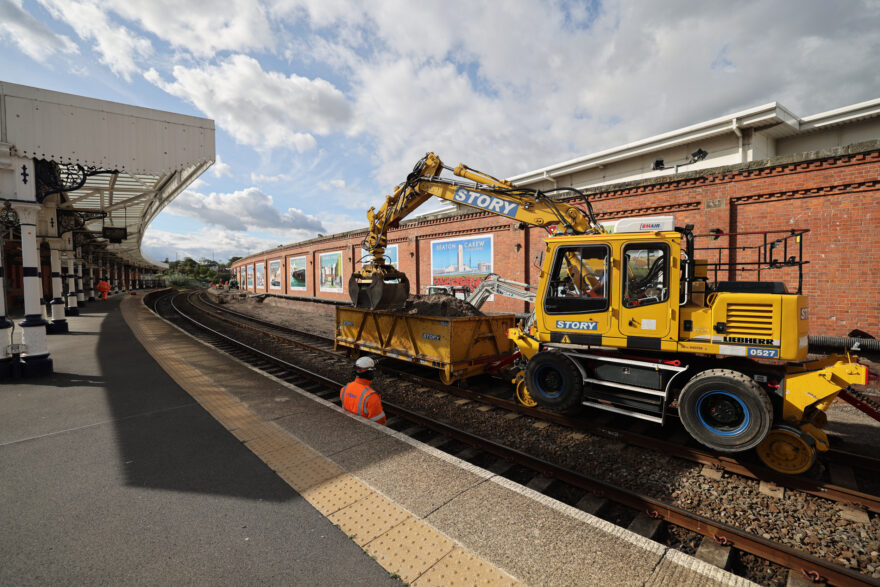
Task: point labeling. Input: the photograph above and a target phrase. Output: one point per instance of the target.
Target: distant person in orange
(103, 287)
(358, 397)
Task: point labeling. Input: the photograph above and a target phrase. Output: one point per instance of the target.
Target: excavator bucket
(378, 292)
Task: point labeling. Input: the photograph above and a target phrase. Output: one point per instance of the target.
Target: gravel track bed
(801, 521)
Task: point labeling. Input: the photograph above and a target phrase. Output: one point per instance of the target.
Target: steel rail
(755, 471)
(722, 533)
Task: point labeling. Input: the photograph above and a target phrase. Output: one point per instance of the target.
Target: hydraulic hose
(844, 343)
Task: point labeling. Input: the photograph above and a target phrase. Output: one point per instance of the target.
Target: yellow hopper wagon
(459, 347)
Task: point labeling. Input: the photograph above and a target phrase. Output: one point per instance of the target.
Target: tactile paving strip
(290, 457)
(267, 443)
(333, 495)
(401, 543)
(253, 431)
(411, 548)
(368, 518)
(311, 474)
(461, 568)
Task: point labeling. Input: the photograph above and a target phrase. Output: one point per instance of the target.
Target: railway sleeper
(713, 553)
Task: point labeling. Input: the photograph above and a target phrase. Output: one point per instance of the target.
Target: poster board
(298, 280)
(275, 276)
(261, 276)
(330, 272)
(462, 261)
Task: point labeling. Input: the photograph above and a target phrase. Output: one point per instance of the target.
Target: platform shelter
(80, 181)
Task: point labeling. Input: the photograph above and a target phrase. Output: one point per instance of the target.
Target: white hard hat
(365, 363)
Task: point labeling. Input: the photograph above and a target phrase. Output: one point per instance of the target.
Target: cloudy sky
(322, 105)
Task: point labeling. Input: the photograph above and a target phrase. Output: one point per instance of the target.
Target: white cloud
(119, 48)
(207, 243)
(247, 209)
(202, 28)
(259, 108)
(262, 178)
(221, 168)
(546, 82)
(333, 184)
(32, 37)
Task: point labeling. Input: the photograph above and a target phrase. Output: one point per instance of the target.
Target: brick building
(762, 169)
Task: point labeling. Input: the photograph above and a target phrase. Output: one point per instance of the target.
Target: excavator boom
(378, 285)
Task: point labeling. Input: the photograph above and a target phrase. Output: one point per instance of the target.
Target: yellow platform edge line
(370, 519)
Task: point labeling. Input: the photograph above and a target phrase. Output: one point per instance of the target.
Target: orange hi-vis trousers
(359, 398)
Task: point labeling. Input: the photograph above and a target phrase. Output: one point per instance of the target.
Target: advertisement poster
(390, 256)
(250, 271)
(297, 273)
(261, 276)
(461, 261)
(331, 272)
(275, 274)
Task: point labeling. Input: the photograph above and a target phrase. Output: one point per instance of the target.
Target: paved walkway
(148, 486)
(113, 474)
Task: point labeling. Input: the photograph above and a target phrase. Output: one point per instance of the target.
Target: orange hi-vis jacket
(359, 398)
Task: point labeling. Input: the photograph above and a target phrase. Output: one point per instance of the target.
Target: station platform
(148, 457)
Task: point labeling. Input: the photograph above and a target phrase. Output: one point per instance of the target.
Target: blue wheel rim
(723, 413)
(548, 374)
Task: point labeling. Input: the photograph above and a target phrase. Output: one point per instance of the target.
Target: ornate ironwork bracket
(70, 220)
(54, 178)
(8, 216)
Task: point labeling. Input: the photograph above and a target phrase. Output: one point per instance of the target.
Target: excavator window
(646, 275)
(578, 281)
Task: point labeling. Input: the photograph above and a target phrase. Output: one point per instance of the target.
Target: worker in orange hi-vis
(358, 397)
(103, 287)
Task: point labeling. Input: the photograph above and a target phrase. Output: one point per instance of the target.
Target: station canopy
(113, 166)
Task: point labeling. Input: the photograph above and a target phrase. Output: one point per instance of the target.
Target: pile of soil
(441, 305)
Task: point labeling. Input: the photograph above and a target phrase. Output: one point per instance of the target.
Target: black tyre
(725, 410)
(554, 382)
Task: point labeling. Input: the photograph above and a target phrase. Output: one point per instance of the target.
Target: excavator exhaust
(378, 291)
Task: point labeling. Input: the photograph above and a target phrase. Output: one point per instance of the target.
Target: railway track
(677, 444)
(535, 472)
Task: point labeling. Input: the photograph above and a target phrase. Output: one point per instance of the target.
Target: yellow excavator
(379, 285)
(627, 320)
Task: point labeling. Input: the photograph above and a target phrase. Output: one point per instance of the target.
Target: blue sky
(321, 106)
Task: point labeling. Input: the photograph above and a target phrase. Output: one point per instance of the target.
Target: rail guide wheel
(788, 450)
(522, 392)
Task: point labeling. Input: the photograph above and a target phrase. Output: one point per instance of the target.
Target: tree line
(204, 270)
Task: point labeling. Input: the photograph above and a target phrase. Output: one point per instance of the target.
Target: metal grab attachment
(379, 290)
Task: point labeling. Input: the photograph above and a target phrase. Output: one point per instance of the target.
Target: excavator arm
(378, 285)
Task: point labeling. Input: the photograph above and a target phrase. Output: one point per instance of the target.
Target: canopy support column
(6, 360)
(78, 268)
(91, 264)
(59, 322)
(36, 360)
(72, 308)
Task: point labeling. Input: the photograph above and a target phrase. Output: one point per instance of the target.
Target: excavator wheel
(788, 450)
(554, 382)
(378, 293)
(522, 392)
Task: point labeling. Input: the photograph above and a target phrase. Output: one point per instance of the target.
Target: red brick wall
(836, 198)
